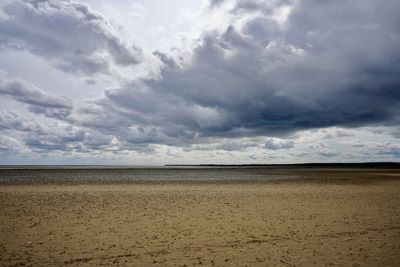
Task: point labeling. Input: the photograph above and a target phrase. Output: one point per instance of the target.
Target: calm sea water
(39, 174)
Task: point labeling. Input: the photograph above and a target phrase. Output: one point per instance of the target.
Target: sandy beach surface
(324, 218)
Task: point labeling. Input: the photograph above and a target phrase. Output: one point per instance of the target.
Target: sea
(99, 173)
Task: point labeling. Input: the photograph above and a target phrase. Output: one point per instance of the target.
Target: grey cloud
(300, 154)
(388, 148)
(395, 152)
(44, 136)
(215, 3)
(68, 142)
(164, 58)
(275, 144)
(317, 146)
(358, 145)
(266, 7)
(58, 113)
(327, 154)
(253, 157)
(9, 144)
(67, 138)
(332, 63)
(13, 121)
(39, 102)
(322, 69)
(225, 145)
(336, 133)
(383, 148)
(96, 141)
(235, 146)
(69, 33)
(396, 133)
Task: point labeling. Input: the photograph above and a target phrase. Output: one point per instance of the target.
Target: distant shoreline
(300, 165)
(368, 165)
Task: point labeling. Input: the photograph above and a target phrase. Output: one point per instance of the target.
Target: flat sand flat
(347, 218)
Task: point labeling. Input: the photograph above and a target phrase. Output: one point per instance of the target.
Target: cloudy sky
(199, 81)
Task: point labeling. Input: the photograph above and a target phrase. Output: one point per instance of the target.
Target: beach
(325, 217)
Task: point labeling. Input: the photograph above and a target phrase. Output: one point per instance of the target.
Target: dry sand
(350, 218)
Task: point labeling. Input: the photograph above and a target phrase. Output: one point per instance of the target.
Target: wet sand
(326, 218)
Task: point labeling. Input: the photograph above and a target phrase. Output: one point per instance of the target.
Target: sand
(349, 218)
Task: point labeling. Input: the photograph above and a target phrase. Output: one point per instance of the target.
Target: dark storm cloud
(332, 63)
(39, 102)
(69, 33)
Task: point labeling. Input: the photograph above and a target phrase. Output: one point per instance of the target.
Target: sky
(152, 82)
